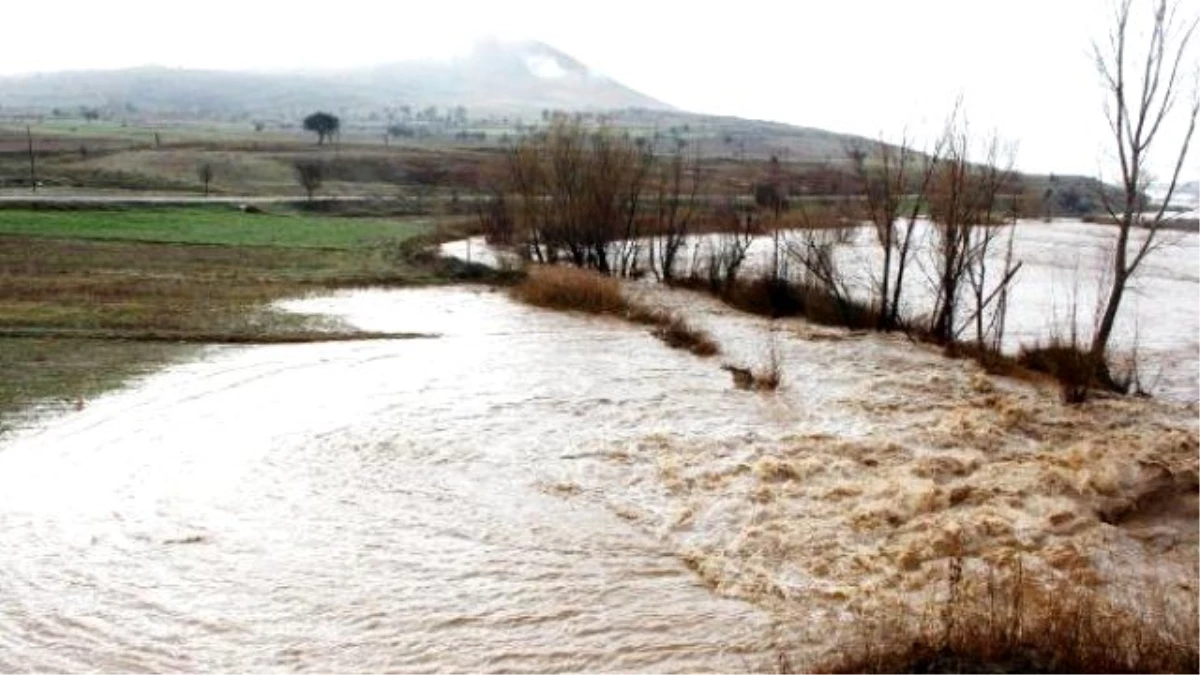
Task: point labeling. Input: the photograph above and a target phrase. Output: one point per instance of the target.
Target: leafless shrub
(310, 175)
(766, 375)
(769, 374)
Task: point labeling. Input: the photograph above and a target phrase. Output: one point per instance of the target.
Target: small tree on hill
(309, 175)
(323, 124)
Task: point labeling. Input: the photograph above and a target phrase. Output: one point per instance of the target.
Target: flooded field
(383, 505)
(1063, 265)
(534, 491)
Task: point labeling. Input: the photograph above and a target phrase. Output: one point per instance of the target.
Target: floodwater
(531, 491)
(1063, 268)
(388, 505)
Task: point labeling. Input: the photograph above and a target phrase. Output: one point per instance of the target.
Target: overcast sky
(1022, 67)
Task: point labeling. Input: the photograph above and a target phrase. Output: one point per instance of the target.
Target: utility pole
(32, 167)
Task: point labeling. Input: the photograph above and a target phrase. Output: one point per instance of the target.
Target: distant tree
(205, 173)
(90, 114)
(460, 116)
(400, 131)
(310, 176)
(323, 124)
(258, 126)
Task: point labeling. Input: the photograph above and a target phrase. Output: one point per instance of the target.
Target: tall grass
(571, 289)
(576, 289)
(1004, 620)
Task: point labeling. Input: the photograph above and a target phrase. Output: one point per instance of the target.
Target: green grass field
(89, 298)
(223, 225)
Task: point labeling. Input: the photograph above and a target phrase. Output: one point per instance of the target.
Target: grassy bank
(91, 297)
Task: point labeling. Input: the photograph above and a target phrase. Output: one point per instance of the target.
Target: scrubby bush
(1074, 366)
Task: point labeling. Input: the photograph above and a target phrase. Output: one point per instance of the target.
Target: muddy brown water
(1064, 265)
(390, 505)
(532, 491)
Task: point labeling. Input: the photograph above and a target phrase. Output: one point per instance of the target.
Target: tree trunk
(884, 318)
(1104, 330)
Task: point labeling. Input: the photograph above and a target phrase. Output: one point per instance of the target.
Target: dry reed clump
(677, 333)
(575, 289)
(999, 619)
(571, 288)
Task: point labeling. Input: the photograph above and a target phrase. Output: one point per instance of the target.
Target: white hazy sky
(871, 67)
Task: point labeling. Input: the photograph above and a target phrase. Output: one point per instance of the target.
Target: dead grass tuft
(571, 289)
(580, 290)
(677, 333)
(999, 619)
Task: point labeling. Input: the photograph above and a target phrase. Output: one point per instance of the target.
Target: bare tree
(310, 176)
(813, 247)
(205, 173)
(895, 181)
(723, 253)
(676, 205)
(1136, 108)
(579, 195)
(965, 209)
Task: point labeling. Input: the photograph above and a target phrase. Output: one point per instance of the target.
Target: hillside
(512, 78)
(148, 128)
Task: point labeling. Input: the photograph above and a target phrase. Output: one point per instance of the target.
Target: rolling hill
(511, 78)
